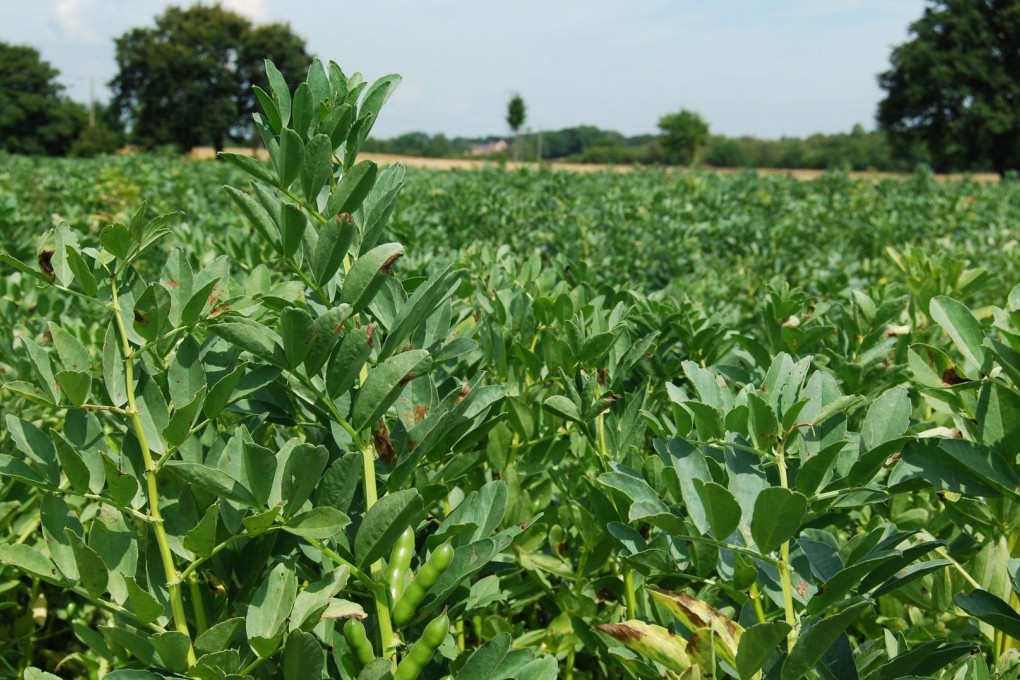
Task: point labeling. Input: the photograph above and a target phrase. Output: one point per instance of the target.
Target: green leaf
(302, 657)
(328, 330)
(34, 443)
(213, 480)
(92, 572)
(320, 523)
(281, 93)
(721, 509)
(172, 648)
(426, 299)
(219, 636)
(257, 217)
(201, 539)
(757, 644)
(992, 610)
(296, 328)
(351, 190)
(563, 407)
(762, 422)
(116, 240)
(142, 603)
(301, 474)
(76, 385)
(346, 362)
(249, 336)
(73, 355)
(293, 223)
(33, 673)
(384, 522)
(485, 661)
(186, 376)
(366, 275)
(221, 392)
(959, 323)
(29, 560)
(269, 609)
(302, 109)
(253, 166)
(271, 111)
(777, 516)
(335, 239)
(887, 419)
(384, 383)
(317, 167)
(291, 157)
(815, 641)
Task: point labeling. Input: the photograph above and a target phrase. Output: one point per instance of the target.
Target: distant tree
(954, 86)
(187, 81)
(515, 115)
(35, 116)
(683, 133)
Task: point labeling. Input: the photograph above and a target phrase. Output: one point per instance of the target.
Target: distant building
(499, 146)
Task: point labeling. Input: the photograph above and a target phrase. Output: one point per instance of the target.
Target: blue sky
(760, 67)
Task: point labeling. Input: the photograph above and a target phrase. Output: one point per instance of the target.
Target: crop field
(316, 418)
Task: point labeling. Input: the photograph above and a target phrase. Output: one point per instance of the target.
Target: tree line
(952, 100)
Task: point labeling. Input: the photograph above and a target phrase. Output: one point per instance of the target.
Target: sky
(766, 68)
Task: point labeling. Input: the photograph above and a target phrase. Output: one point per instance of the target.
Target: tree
(683, 133)
(515, 114)
(187, 81)
(35, 117)
(954, 86)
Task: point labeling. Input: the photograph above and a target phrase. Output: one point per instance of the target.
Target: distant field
(205, 152)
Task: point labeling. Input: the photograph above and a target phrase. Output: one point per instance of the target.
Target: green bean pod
(422, 651)
(437, 563)
(400, 564)
(357, 640)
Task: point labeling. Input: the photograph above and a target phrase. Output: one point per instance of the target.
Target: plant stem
(759, 612)
(197, 604)
(172, 582)
(784, 561)
(382, 606)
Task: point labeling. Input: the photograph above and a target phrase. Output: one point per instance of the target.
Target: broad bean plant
(344, 421)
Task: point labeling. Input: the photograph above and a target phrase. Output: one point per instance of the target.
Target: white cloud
(70, 17)
(253, 9)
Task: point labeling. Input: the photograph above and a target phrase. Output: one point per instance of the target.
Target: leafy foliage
(188, 80)
(35, 118)
(951, 86)
(515, 424)
(683, 133)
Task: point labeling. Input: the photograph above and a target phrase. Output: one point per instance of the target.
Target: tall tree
(187, 81)
(515, 114)
(35, 116)
(683, 133)
(954, 86)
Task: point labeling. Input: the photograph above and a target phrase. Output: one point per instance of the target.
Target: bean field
(345, 421)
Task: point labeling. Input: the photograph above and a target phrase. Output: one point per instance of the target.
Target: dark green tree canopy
(35, 117)
(954, 87)
(187, 81)
(683, 133)
(515, 113)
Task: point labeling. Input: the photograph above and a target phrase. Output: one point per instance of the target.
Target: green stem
(198, 605)
(784, 562)
(759, 612)
(382, 606)
(628, 584)
(152, 487)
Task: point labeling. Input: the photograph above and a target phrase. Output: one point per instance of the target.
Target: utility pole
(538, 148)
(92, 102)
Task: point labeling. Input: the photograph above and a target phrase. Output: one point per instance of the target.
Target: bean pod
(421, 653)
(357, 640)
(436, 564)
(400, 564)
